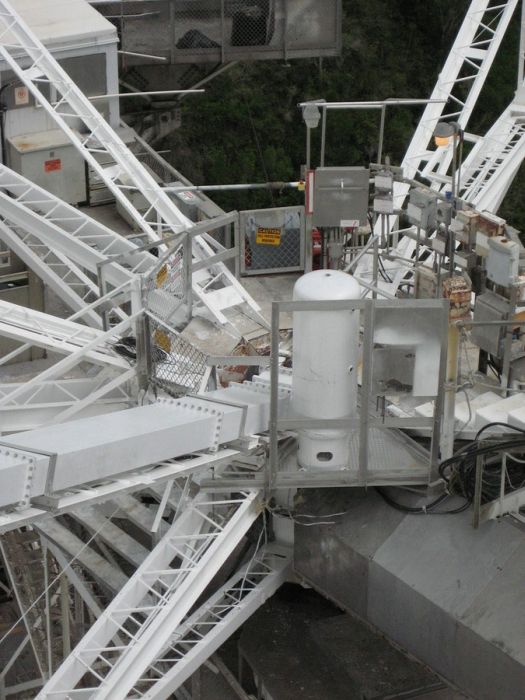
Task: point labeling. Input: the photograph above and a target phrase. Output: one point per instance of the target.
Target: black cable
(426, 509)
(460, 470)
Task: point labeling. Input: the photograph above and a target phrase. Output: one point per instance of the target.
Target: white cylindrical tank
(325, 355)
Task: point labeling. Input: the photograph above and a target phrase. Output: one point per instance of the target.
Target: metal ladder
(155, 601)
(73, 112)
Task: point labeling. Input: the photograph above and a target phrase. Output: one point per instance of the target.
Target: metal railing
(211, 31)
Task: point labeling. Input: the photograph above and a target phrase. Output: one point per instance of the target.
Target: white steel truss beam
(55, 401)
(69, 230)
(106, 573)
(215, 621)
(58, 335)
(33, 65)
(68, 282)
(155, 601)
(460, 81)
(111, 534)
(459, 84)
(55, 458)
(117, 491)
(493, 162)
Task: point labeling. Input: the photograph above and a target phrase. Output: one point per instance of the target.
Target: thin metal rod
(521, 60)
(360, 255)
(489, 323)
(143, 55)
(144, 94)
(478, 487)
(375, 289)
(381, 134)
(374, 104)
(271, 468)
(308, 147)
(47, 608)
(323, 137)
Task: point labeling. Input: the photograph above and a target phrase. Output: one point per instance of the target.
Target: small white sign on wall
(21, 96)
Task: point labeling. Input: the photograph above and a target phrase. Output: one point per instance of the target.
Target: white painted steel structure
(149, 609)
(59, 457)
(146, 643)
(460, 83)
(73, 113)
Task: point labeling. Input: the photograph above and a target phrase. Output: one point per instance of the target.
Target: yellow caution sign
(162, 340)
(162, 276)
(268, 236)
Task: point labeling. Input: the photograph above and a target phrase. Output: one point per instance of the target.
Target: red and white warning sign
(21, 96)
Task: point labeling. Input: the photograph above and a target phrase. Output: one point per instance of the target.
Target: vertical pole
(521, 58)
(187, 261)
(237, 247)
(381, 134)
(507, 342)
(308, 147)
(64, 610)
(477, 491)
(435, 445)
(47, 609)
(172, 31)
(271, 469)
(323, 136)
(308, 216)
(375, 268)
(366, 388)
(447, 438)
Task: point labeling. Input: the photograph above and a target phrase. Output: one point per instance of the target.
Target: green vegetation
(247, 127)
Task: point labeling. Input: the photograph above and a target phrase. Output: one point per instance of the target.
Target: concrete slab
(450, 595)
(299, 645)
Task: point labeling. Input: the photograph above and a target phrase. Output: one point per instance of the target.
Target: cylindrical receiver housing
(325, 355)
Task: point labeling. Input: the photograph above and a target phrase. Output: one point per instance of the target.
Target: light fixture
(311, 115)
(444, 131)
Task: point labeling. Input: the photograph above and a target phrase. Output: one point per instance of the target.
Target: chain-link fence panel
(204, 31)
(272, 240)
(177, 366)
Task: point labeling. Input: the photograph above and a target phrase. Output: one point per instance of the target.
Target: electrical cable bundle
(459, 473)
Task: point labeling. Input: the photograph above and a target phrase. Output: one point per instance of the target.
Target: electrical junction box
(186, 201)
(502, 261)
(384, 204)
(490, 307)
(50, 160)
(421, 210)
(469, 223)
(384, 181)
(341, 197)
